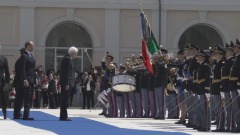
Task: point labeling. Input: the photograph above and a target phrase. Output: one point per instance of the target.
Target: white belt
(208, 95)
(222, 95)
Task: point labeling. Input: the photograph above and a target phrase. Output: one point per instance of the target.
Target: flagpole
(140, 6)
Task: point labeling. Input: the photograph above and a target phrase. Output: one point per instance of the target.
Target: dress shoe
(214, 123)
(219, 130)
(204, 129)
(235, 131)
(15, 117)
(159, 118)
(175, 117)
(27, 118)
(227, 130)
(66, 119)
(196, 127)
(180, 122)
(101, 113)
(108, 116)
(5, 116)
(189, 125)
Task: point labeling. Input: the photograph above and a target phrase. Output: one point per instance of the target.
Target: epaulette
(111, 66)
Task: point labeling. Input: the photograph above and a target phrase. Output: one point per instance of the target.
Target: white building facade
(99, 26)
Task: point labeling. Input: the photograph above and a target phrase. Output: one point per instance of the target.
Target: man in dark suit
(27, 77)
(18, 84)
(66, 81)
(4, 78)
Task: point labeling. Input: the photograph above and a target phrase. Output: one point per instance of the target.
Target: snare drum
(124, 83)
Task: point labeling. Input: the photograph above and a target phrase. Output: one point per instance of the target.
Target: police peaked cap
(204, 54)
(191, 45)
(219, 49)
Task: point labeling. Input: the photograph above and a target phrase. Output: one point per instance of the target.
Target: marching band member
(109, 72)
(144, 91)
(119, 96)
(134, 96)
(137, 111)
(160, 82)
(127, 96)
(151, 94)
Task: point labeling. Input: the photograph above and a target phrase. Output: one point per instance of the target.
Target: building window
(201, 35)
(62, 37)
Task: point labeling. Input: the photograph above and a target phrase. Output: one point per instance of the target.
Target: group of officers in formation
(201, 85)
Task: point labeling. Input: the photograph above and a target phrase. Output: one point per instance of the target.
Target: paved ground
(90, 123)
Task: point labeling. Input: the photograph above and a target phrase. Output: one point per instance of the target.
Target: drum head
(124, 88)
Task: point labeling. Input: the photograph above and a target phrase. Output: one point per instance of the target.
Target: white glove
(104, 58)
(108, 90)
(222, 95)
(185, 90)
(238, 91)
(179, 78)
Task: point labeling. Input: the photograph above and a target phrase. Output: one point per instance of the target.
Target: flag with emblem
(149, 43)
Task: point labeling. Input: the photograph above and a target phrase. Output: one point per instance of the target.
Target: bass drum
(124, 83)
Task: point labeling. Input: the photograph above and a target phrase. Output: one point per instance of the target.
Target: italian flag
(149, 44)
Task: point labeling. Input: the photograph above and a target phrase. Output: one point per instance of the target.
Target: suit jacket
(235, 74)
(4, 71)
(67, 71)
(27, 67)
(92, 85)
(52, 86)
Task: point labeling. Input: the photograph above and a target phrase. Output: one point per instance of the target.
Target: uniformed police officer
(191, 66)
(202, 88)
(109, 71)
(217, 86)
(160, 82)
(225, 84)
(234, 86)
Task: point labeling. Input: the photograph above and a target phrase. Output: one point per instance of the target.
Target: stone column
(26, 25)
(112, 28)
